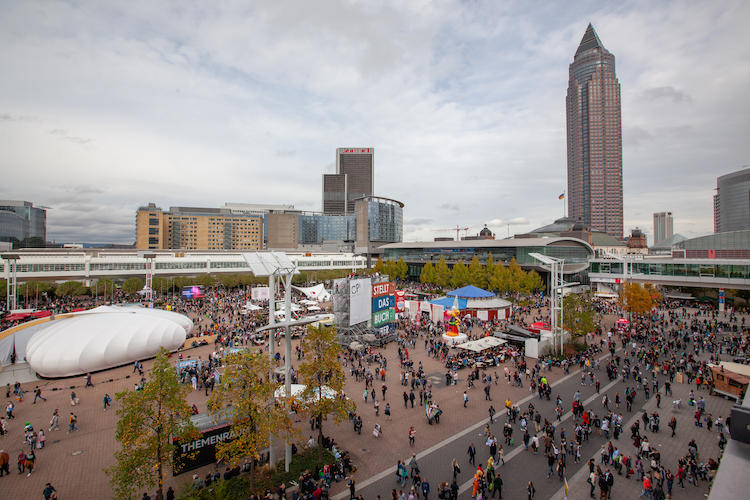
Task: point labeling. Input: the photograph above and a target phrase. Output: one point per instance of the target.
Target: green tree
(400, 269)
(489, 270)
(70, 289)
(206, 280)
(3, 289)
(229, 281)
(322, 371)
(579, 314)
(103, 288)
(532, 282)
(460, 275)
(246, 398)
(442, 273)
(500, 280)
(149, 419)
(516, 278)
(427, 276)
(132, 286)
(477, 276)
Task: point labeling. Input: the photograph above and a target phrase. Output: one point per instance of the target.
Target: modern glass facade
(318, 228)
(594, 138)
(22, 224)
(680, 269)
(732, 202)
(573, 254)
(385, 221)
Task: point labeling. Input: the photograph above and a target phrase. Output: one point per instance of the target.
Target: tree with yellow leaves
(246, 398)
(149, 419)
(638, 299)
(324, 380)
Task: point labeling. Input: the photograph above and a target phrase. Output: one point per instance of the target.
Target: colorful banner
(385, 302)
(380, 318)
(400, 296)
(380, 289)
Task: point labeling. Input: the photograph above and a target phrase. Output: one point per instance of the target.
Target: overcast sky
(107, 106)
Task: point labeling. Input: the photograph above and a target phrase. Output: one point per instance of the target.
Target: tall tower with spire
(594, 130)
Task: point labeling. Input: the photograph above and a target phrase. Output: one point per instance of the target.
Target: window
(153, 241)
(153, 222)
(153, 230)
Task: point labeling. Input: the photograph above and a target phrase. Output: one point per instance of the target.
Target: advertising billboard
(259, 293)
(380, 289)
(383, 317)
(360, 300)
(202, 451)
(400, 301)
(385, 302)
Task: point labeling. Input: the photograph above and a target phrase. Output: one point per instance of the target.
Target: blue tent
(471, 292)
(447, 303)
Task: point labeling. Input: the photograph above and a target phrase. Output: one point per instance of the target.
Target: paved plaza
(74, 463)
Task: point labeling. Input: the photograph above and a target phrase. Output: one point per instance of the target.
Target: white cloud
(197, 104)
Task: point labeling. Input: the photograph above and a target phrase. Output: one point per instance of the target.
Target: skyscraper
(663, 226)
(354, 178)
(732, 202)
(594, 137)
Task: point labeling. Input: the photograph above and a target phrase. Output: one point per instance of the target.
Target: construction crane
(457, 228)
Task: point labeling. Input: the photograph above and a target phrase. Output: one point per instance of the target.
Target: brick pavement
(671, 449)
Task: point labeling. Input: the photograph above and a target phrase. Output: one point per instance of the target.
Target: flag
(562, 196)
(565, 495)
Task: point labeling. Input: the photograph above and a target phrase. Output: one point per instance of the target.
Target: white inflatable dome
(103, 338)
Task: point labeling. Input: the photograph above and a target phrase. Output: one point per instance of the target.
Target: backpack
(610, 481)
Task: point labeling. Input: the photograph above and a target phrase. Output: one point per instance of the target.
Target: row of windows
(40, 268)
(679, 270)
(119, 266)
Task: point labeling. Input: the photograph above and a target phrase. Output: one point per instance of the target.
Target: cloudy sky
(106, 106)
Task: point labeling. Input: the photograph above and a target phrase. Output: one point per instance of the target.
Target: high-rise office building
(732, 202)
(23, 225)
(594, 133)
(354, 178)
(663, 226)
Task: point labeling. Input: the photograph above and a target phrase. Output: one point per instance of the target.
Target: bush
(266, 478)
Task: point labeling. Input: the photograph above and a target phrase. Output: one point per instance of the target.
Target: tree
(206, 280)
(400, 269)
(427, 276)
(477, 276)
(531, 282)
(70, 289)
(149, 419)
(379, 266)
(516, 276)
(489, 270)
(132, 286)
(229, 281)
(579, 314)
(500, 280)
(246, 398)
(321, 370)
(638, 299)
(460, 275)
(442, 273)
(103, 287)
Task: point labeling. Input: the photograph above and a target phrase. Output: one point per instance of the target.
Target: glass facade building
(732, 202)
(385, 221)
(594, 138)
(22, 224)
(317, 228)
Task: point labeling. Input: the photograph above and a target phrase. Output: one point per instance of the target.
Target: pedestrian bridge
(664, 270)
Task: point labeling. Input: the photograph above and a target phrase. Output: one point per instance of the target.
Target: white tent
(317, 292)
(480, 345)
(251, 307)
(313, 308)
(97, 340)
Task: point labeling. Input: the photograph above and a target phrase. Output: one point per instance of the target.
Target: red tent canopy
(41, 314)
(17, 316)
(622, 321)
(538, 326)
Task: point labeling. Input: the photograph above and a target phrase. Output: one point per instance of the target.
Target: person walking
(38, 395)
(72, 423)
(466, 398)
(387, 411)
(53, 422)
(530, 490)
(48, 490)
(456, 469)
(492, 414)
(4, 463)
(412, 432)
(673, 425)
(107, 400)
(472, 452)
(352, 487)
(497, 486)
(88, 381)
